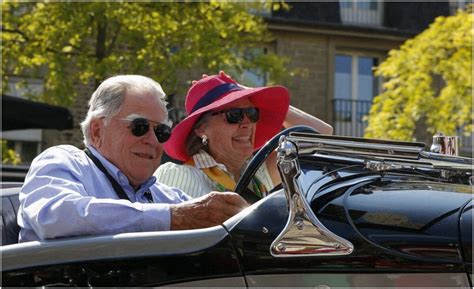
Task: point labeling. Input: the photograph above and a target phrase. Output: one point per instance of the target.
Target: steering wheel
(262, 155)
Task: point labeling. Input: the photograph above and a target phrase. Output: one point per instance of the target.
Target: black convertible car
(350, 213)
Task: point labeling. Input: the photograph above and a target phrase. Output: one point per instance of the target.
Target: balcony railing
(349, 116)
(348, 120)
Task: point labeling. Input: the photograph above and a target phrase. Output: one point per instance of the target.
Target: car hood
(412, 218)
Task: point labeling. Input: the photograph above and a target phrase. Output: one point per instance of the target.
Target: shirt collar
(117, 174)
(203, 160)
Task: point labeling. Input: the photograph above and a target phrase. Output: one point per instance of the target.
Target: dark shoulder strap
(118, 188)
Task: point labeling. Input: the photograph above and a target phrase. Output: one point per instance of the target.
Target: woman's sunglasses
(236, 115)
(140, 126)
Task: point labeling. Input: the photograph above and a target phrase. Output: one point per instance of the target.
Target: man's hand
(207, 211)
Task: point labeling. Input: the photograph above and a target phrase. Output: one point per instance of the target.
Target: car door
(205, 256)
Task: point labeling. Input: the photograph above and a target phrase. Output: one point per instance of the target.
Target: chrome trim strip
(381, 155)
(77, 249)
(308, 143)
(360, 280)
(230, 282)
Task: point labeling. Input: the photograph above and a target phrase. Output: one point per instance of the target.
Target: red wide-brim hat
(213, 92)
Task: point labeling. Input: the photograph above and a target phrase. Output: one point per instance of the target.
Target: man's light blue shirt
(66, 194)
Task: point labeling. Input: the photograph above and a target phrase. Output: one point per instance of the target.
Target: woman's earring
(204, 140)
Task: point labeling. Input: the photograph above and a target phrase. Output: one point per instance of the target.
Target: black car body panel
(413, 219)
(381, 241)
(466, 236)
(344, 219)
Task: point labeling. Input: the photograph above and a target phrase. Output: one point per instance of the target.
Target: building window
(365, 13)
(253, 78)
(354, 88)
(250, 76)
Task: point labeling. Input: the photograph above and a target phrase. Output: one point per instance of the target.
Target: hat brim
(273, 103)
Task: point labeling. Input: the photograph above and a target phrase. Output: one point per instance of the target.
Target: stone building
(336, 43)
(339, 43)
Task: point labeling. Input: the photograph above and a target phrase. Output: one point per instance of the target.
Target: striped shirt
(193, 181)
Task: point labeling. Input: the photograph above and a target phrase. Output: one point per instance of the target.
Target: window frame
(354, 14)
(353, 124)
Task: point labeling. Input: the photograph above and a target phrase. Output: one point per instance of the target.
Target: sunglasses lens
(140, 127)
(163, 133)
(253, 114)
(234, 115)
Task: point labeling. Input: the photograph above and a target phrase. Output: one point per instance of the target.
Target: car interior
(9, 209)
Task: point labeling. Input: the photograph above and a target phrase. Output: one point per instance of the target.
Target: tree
(9, 156)
(428, 82)
(66, 42)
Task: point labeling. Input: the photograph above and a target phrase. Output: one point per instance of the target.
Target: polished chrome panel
(304, 234)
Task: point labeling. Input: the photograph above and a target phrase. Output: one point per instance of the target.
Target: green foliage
(9, 156)
(429, 79)
(89, 41)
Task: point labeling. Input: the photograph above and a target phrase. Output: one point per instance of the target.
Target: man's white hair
(108, 98)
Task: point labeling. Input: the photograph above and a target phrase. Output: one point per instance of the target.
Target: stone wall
(308, 53)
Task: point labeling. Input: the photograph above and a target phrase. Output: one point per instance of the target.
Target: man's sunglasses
(140, 126)
(236, 115)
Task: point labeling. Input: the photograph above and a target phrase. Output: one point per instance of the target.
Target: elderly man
(108, 187)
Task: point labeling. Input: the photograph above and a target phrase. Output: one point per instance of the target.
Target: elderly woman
(226, 123)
